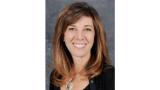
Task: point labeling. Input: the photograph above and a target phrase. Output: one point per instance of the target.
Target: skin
(79, 39)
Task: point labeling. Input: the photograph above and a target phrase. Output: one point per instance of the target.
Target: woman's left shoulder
(108, 68)
(108, 76)
(108, 71)
(105, 81)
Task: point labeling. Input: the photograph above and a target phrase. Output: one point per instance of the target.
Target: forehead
(84, 20)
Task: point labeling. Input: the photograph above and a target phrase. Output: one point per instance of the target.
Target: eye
(71, 28)
(88, 29)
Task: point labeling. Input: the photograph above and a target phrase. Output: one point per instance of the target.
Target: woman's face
(79, 37)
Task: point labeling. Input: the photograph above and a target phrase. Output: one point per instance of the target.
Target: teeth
(81, 45)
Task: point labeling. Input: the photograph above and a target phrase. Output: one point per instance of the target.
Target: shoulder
(108, 71)
(51, 85)
(105, 81)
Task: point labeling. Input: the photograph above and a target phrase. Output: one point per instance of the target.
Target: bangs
(72, 17)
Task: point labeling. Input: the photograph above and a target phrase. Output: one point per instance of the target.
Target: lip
(79, 45)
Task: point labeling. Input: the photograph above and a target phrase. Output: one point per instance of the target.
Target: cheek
(68, 36)
(91, 37)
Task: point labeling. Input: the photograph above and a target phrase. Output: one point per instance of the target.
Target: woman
(80, 54)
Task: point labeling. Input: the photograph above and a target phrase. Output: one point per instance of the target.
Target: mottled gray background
(105, 9)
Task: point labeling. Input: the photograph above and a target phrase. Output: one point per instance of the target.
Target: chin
(79, 52)
(78, 55)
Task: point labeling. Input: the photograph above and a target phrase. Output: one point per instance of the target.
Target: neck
(80, 63)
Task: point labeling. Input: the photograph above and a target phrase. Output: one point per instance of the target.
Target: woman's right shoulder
(51, 76)
(52, 72)
(51, 85)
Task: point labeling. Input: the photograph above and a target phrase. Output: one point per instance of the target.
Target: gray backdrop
(105, 9)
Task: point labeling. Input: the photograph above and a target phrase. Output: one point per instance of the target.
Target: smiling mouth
(79, 45)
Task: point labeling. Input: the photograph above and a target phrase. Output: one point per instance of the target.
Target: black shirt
(104, 81)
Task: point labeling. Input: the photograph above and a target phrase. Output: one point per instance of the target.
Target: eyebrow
(84, 25)
(88, 26)
(72, 25)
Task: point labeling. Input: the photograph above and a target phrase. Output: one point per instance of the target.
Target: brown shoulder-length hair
(62, 58)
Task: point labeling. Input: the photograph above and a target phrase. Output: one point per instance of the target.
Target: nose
(80, 35)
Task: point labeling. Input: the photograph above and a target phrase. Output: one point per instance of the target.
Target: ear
(63, 39)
